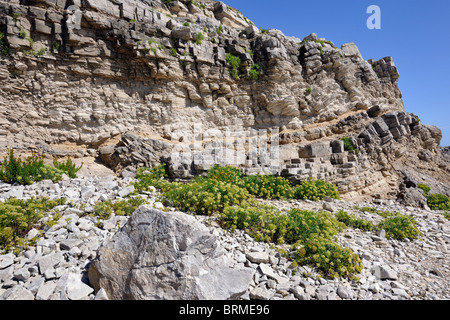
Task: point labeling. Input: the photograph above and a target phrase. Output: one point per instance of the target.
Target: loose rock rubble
(393, 270)
(56, 267)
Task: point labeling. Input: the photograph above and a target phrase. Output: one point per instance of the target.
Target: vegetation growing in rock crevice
(200, 37)
(4, 47)
(348, 145)
(254, 72)
(235, 63)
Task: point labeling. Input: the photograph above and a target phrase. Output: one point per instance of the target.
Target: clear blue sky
(415, 33)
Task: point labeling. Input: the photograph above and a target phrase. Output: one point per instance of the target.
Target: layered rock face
(143, 82)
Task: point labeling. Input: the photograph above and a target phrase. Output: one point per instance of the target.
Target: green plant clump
(18, 217)
(68, 167)
(268, 187)
(205, 197)
(352, 221)
(4, 47)
(16, 170)
(22, 34)
(173, 52)
(328, 256)
(310, 233)
(200, 37)
(435, 201)
(348, 146)
(225, 174)
(125, 207)
(271, 187)
(396, 225)
(400, 227)
(254, 72)
(183, 63)
(235, 63)
(25, 172)
(426, 189)
(315, 190)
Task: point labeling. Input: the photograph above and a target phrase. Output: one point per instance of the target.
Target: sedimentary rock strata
(77, 77)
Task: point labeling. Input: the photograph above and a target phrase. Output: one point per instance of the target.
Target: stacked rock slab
(78, 76)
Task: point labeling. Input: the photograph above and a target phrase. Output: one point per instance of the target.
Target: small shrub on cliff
(254, 72)
(348, 146)
(426, 189)
(200, 37)
(22, 34)
(315, 190)
(4, 47)
(173, 52)
(235, 63)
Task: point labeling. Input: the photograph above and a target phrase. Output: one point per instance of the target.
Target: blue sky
(414, 33)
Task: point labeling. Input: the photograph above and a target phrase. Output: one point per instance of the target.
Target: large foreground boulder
(171, 256)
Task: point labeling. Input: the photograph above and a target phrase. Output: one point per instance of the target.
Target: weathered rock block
(169, 256)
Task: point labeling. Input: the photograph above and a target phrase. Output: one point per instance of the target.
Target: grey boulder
(166, 256)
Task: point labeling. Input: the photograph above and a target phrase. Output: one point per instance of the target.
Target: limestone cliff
(132, 81)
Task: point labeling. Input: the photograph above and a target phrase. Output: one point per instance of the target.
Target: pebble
(56, 267)
(258, 257)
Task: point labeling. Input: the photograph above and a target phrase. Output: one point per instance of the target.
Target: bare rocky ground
(56, 267)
